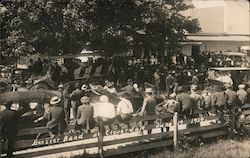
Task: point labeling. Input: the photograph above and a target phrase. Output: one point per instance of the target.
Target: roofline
(216, 34)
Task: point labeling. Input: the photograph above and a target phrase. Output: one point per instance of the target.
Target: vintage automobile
(229, 75)
(28, 104)
(77, 72)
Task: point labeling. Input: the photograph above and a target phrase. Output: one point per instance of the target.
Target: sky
(207, 3)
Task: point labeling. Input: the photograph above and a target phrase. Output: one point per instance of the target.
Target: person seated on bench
(56, 117)
(124, 108)
(85, 112)
(106, 109)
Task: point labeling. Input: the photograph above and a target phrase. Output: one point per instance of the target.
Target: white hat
(33, 105)
(60, 86)
(104, 98)
(241, 86)
(149, 90)
(84, 87)
(55, 100)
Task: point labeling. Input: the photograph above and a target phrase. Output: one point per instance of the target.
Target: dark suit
(56, 122)
(8, 128)
(75, 97)
(85, 115)
(66, 103)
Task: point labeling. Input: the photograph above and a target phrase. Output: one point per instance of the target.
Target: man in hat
(75, 97)
(184, 100)
(124, 107)
(56, 117)
(110, 87)
(85, 113)
(170, 81)
(149, 104)
(60, 90)
(129, 88)
(66, 102)
(242, 94)
(8, 127)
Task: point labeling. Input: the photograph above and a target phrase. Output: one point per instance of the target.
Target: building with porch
(225, 26)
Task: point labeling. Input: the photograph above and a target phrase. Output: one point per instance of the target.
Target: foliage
(235, 123)
(186, 142)
(110, 26)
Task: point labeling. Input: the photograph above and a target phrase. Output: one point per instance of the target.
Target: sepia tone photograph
(125, 79)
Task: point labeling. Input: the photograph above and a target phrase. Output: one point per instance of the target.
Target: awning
(239, 38)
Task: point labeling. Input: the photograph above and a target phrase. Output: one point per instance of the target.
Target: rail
(118, 138)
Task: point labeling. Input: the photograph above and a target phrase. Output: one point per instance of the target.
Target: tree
(110, 26)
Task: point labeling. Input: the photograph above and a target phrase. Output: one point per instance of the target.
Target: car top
(230, 68)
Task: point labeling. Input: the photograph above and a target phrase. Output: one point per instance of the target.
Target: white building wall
(222, 46)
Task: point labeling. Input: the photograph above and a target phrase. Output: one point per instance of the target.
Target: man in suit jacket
(8, 127)
(85, 113)
(56, 117)
(184, 100)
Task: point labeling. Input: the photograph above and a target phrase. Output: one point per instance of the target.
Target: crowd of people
(177, 84)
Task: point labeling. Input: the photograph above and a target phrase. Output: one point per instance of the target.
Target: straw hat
(60, 86)
(85, 99)
(241, 86)
(55, 100)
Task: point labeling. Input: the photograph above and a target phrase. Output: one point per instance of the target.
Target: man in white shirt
(106, 109)
(124, 107)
